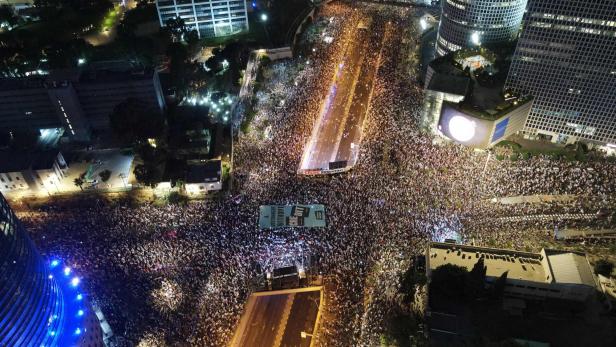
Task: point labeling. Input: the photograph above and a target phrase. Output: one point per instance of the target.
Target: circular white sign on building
(461, 128)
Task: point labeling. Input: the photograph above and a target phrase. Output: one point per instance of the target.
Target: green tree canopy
(604, 267)
(147, 174)
(8, 15)
(105, 175)
(134, 121)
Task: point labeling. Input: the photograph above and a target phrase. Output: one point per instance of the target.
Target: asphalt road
(345, 107)
(350, 138)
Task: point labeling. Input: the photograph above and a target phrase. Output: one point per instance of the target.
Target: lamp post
(264, 19)
(123, 177)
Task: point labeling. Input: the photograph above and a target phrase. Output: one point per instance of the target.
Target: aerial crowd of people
(180, 275)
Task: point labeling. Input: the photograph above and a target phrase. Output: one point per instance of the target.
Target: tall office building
(470, 23)
(566, 58)
(209, 17)
(41, 303)
(74, 100)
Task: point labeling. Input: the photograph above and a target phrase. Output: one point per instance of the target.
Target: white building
(210, 18)
(549, 274)
(203, 177)
(31, 172)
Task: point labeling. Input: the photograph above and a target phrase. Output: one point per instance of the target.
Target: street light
(304, 334)
(263, 21)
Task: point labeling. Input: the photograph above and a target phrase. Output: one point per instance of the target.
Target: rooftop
(521, 265)
(450, 84)
(563, 267)
(490, 104)
(109, 76)
(485, 98)
(210, 171)
(10, 84)
(74, 75)
(16, 161)
(278, 318)
(570, 267)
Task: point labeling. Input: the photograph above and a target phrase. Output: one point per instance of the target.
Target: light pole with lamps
(264, 19)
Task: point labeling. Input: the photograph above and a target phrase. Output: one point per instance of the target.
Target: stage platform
(282, 216)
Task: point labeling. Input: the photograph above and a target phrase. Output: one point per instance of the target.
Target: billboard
(500, 129)
(464, 129)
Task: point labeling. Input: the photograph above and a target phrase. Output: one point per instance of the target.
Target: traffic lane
(359, 108)
(324, 142)
(302, 317)
(264, 321)
(334, 115)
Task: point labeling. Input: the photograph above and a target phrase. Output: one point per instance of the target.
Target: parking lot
(92, 164)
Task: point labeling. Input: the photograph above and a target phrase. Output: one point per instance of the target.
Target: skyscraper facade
(466, 23)
(41, 303)
(209, 18)
(566, 58)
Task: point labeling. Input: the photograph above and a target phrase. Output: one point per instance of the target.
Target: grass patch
(569, 153)
(110, 18)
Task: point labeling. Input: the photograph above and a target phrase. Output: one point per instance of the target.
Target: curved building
(41, 303)
(469, 23)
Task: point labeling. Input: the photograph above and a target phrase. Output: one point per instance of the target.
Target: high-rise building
(41, 302)
(74, 100)
(209, 18)
(466, 23)
(566, 59)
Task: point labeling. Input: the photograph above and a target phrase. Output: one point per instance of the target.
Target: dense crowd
(179, 275)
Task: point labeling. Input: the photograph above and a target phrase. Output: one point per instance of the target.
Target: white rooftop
(568, 267)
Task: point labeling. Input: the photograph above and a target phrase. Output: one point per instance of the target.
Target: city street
(337, 134)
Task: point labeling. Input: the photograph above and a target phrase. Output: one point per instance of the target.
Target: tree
(79, 182)
(146, 174)
(8, 16)
(604, 267)
(214, 63)
(177, 199)
(177, 28)
(105, 175)
(62, 55)
(134, 121)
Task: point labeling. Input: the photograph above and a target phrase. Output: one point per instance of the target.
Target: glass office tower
(566, 58)
(41, 302)
(209, 17)
(467, 24)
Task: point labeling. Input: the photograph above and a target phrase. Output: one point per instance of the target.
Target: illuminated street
(336, 136)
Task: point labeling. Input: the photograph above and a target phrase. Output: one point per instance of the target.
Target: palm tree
(79, 181)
